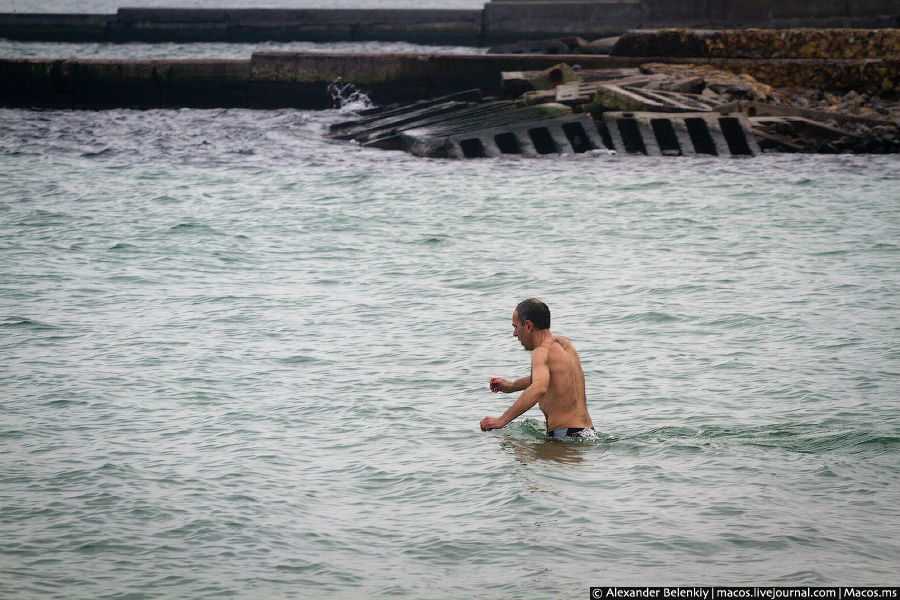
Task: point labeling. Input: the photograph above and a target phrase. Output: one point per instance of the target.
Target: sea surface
(240, 360)
(171, 50)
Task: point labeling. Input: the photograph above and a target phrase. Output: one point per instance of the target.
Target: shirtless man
(556, 382)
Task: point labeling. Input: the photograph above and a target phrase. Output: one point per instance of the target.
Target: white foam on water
(348, 98)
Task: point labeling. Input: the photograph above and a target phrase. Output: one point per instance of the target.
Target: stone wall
(535, 18)
(874, 77)
(805, 43)
(762, 43)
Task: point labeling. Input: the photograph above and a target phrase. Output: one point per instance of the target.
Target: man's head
(531, 316)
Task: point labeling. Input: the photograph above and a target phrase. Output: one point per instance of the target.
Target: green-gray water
(238, 360)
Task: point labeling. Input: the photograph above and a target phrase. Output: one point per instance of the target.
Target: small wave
(189, 228)
(537, 430)
(123, 246)
(739, 320)
(349, 98)
(647, 185)
(300, 359)
(799, 438)
(60, 402)
(166, 199)
(98, 154)
(532, 428)
(433, 240)
(26, 323)
(648, 317)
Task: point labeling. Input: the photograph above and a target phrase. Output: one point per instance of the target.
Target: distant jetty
(500, 21)
(301, 80)
(717, 91)
(865, 61)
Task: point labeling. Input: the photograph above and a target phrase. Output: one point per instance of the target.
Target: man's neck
(541, 336)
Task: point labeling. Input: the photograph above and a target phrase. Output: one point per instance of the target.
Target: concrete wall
(101, 84)
(500, 21)
(876, 77)
(272, 80)
(54, 27)
(429, 25)
(267, 80)
(510, 21)
(506, 19)
(402, 77)
(435, 26)
(761, 43)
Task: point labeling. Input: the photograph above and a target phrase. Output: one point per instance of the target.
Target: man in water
(556, 382)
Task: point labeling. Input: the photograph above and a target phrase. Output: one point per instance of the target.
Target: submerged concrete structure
(465, 127)
(663, 110)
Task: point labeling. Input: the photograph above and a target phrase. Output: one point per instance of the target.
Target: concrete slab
(681, 134)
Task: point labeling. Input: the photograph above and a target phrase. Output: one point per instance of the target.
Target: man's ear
(529, 325)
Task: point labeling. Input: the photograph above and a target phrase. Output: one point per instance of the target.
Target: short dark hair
(535, 311)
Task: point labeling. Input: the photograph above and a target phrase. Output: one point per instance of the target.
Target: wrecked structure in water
(656, 109)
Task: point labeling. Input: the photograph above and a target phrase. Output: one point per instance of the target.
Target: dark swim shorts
(576, 432)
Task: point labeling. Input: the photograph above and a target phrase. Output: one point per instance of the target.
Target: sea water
(238, 359)
(220, 50)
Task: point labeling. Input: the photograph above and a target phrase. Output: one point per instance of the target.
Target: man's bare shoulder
(541, 352)
(565, 342)
(557, 347)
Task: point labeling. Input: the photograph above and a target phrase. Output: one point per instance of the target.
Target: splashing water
(349, 98)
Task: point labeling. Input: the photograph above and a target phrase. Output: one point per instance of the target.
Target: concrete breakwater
(761, 43)
(428, 26)
(300, 80)
(266, 80)
(500, 21)
(554, 18)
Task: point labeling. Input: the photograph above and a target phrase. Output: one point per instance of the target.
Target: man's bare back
(556, 382)
(564, 403)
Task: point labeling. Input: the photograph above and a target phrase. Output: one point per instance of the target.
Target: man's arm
(498, 384)
(540, 383)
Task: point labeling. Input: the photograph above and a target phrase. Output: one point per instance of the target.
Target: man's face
(520, 331)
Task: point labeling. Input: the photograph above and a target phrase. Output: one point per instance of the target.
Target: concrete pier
(536, 19)
(300, 80)
(267, 80)
(500, 21)
(426, 26)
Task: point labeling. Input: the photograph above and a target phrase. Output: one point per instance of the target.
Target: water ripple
(235, 373)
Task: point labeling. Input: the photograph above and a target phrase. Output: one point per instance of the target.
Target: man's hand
(489, 423)
(498, 384)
